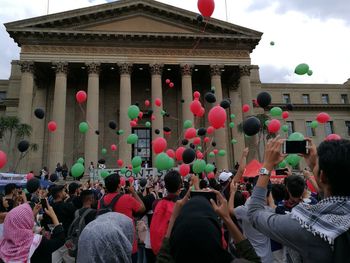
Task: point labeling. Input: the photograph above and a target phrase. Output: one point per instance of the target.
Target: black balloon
(213, 144)
(264, 99)
(39, 113)
(97, 132)
(166, 129)
(200, 18)
(167, 115)
(139, 150)
(225, 103)
(251, 126)
(192, 145)
(210, 97)
(143, 182)
(212, 91)
(137, 104)
(290, 106)
(150, 112)
(157, 131)
(184, 142)
(182, 101)
(202, 131)
(23, 146)
(188, 156)
(112, 125)
(102, 161)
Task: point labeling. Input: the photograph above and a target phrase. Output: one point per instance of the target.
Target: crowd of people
(228, 218)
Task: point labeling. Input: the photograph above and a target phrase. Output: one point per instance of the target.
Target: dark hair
(112, 182)
(203, 184)
(295, 185)
(86, 194)
(239, 199)
(333, 161)
(172, 181)
(278, 192)
(9, 188)
(214, 184)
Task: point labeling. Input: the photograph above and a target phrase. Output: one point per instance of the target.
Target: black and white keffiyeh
(329, 218)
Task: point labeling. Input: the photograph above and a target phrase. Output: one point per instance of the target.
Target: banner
(144, 173)
(18, 179)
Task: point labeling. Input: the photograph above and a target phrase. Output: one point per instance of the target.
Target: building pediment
(145, 20)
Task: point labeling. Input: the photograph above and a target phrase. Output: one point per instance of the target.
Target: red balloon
(195, 107)
(179, 152)
(30, 176)
(147, 103)
(170, 153)
(206, 7)
(211, 175)
(3, 159)
(285, 115)
(197, 141)
(167, 81)
(215, 151)
(140, 114)
(333, 137)
(133, 124)
(113, 147)
(122, 181)
(159, 145)
(184, 169)
(153, 117)
(190, 133)
(196, 95)
(199, 155)
(120, 162)
(81, 96)
(171, 85)
(130, 167)
(274, 126)
(323, 117)
(131, 180)
(217, 117)
(201, 112)
(158, 102)
(52, 126)
(167, 133)
(210, 130)
(206, 139)
(245, 108)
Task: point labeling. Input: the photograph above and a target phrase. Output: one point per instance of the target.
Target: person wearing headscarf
(107, 239)
(20, 244)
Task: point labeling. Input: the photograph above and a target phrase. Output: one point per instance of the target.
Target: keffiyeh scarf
(329, 218)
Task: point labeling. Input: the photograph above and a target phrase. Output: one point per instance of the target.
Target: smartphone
(295, 147)
(281, 171)
(43, 203)
(207, 195)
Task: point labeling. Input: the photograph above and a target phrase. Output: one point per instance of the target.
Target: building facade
(121, 53)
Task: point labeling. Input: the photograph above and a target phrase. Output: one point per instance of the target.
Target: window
(344, 99)
(325, 99)
(2, 96)
(347, 124)
(306, 98)
(329, 128)
(286, 98)
(142, 147)
(310, 132)
(290, 127)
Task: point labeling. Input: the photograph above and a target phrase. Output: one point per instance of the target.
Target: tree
(11, 132)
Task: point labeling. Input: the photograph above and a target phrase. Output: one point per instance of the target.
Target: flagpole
(48, 6)
(226, 10)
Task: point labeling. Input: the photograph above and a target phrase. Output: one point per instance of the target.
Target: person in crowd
(88, 202)
(58, 170)
(127, 204)
(44, 173)
(33, 188)
(109, 238)
(20, 244)
(74, 190)
(64, 171)
(311, 230)
(195, 233)
(92, 171)
(225, 181)
(11, 195)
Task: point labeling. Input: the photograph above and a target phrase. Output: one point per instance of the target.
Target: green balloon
(310, 72)
(132, 138)
(148, 124)
(211, 154)
(232, 125)
(267, 123)
(104, 151)
(136, 169)
(77, 170)
(123, 170)
(163, 112)
(301, 69)
(282, 164)
(162, 162)
(209, 168)
(213, 88)
(187, 124)
(120, 132)
(272, 43)
(83, 127)
(104, 174)
(314, 124)
(136, 161)
(199, 166)
(276, 111)
(199, 148)
(293, 160)
(232, 116)
(285, 128)
(296, 136)
(133, 112)
(233, 141)
(81, 160)
(171, 163)
(222, 153)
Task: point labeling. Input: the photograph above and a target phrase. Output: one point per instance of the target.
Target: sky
(316, 32)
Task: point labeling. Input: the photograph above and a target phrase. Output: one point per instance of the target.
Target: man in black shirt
(10, 195)
(74, 190)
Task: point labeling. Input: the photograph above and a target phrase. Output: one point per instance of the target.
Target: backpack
(104, 208)
(74, 232)
(160, 223)
(341, 248)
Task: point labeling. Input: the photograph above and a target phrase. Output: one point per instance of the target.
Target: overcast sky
(316, 32)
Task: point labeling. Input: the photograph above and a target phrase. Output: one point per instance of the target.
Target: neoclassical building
(121, 53)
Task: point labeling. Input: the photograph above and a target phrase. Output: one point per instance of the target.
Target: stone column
(186, 71)
(125, 101)
(92, 111)
(26, 92)
(221, 134)
(56, 143)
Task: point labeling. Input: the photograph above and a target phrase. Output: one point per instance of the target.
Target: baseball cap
(224, 176)
(56, 189)
(73, 187)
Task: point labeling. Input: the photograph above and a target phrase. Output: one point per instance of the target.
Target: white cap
(224, 176)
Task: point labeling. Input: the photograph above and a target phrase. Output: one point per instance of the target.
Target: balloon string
(198, 41)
